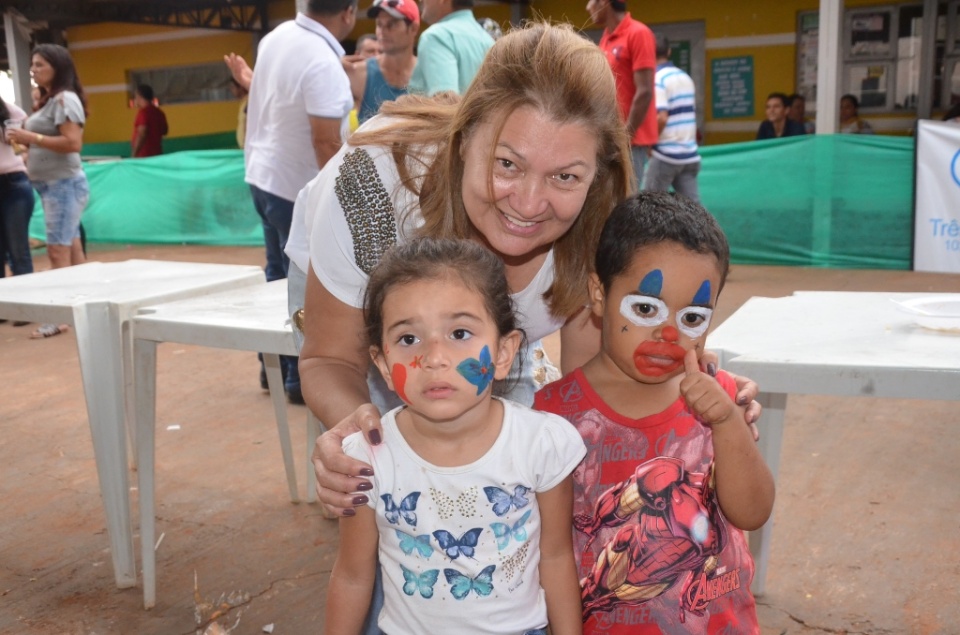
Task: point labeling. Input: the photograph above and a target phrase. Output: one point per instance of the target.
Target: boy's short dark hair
(650, 218)
(781, 96)
(145, 91)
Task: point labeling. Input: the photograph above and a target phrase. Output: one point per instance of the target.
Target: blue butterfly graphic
(478, 372)
(461, 585)
(409, 544)
(502, 501)
(423, 582)
(407, 509)
(465, 546)
(503, 531)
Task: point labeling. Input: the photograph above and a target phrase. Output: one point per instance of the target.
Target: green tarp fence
(841, 201)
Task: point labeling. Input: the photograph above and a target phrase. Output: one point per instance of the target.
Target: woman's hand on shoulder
(339, 476)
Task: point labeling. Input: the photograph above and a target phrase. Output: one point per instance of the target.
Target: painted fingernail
(366, 471)
(375, 437)
(360, 500)
(365, 486)
(712, 369)
(349, 511)
(742, 401)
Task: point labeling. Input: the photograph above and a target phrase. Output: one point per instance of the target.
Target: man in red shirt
(631, 50)
(149, 127)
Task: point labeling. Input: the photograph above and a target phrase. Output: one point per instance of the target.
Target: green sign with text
(731, 79)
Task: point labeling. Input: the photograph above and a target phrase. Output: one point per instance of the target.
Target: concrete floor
(866, 520)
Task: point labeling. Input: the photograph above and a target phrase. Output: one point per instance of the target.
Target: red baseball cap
(402, 9)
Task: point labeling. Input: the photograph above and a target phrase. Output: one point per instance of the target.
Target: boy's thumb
(690, 362)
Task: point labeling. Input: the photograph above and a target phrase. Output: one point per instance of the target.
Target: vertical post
(18, 53)
(928, 47)
(829, 63)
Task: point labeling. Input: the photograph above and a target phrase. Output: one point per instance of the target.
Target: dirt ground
(867, 515)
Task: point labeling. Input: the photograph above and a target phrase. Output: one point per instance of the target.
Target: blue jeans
(276, 214)
(16, 208)
(63, 202)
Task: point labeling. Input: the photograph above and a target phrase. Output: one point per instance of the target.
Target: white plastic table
(831, 343)
(250, 319)
(98, 299)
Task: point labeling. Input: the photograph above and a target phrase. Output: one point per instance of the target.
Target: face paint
(652, 283)
(478, 372)
(654, 359)
(644, 310)
(399, 376)
(703, 294)
(417, 362)
(693, 321)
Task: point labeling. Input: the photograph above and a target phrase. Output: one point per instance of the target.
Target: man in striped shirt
(675, 160)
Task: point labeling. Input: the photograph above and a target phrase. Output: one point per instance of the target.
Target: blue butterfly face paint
(478, 372)
(419, 583)
(461, 585)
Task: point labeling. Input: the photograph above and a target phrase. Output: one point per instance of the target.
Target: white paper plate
(939, 312)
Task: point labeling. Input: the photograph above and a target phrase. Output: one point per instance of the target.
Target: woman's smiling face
(541, 173)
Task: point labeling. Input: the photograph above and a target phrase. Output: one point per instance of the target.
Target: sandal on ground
(49, 330)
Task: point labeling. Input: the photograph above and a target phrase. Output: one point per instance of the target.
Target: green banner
(843, 201)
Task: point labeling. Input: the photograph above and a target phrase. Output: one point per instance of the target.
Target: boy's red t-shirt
(654, 552)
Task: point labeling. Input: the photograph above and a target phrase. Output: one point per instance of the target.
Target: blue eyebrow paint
(652, 283)
(703, 294)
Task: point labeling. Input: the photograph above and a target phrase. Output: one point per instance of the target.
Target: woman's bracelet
(40, 139)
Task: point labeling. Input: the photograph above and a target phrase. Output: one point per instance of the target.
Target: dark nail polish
(375, 437)
(712, 369)
(366, 471)
(349, 511)
(742, 401)
(365, 486)
(360, 500)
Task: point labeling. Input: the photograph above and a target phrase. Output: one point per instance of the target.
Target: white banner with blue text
(936, 237)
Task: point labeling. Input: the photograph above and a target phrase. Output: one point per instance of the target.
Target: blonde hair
(552, 69)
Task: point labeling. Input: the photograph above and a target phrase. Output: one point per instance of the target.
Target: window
(881, 56)
(185, 84)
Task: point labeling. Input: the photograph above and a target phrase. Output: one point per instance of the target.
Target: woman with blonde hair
(529, 163)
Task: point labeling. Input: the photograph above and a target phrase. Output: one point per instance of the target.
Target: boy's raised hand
(704, 394)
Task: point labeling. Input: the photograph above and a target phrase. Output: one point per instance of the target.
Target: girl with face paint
(672, 476)
(471, 504)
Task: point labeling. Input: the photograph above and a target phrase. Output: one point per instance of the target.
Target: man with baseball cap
(386, 76)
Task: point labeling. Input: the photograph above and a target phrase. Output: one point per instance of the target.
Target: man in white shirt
(676, 158)
(296, 120)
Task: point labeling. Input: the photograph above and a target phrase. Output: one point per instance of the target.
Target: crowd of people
(786, 117)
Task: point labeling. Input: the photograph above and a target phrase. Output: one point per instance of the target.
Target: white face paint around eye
(693, 321)
(644, 310)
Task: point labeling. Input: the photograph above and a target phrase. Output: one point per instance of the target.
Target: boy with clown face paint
(672, 475)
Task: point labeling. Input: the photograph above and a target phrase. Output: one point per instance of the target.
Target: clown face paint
(647, 309)
(657, 309)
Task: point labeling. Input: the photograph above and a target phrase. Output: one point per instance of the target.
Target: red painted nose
(670, 334)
